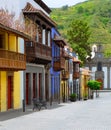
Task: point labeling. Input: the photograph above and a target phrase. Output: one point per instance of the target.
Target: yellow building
(12, 64)
(65, 75)
(85, 75)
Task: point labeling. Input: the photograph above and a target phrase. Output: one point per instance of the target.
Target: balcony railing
(65, 75)
(59, 64)
(38, 50)
(12, 60)
(76, 75)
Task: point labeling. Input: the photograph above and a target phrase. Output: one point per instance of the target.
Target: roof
(85, 71)
(29, 9)
(59, 40)
(43, 5)
(21, 34)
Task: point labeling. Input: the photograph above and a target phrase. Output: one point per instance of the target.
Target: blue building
(55, 74)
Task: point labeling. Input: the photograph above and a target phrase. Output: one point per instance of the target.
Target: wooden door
(40, 86)
(46, 87)
(34, 86)
(10, 92)
(27, 88)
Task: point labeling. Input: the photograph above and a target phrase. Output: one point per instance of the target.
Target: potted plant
(73, 97)
(85, 96)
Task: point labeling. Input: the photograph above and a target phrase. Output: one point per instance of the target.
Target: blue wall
(55, 75)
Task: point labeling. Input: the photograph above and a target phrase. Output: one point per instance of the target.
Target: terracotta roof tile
(30, 9)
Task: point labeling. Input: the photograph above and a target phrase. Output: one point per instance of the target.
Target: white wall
(21, 45)
(93, 72)
(110, 77)
(105, 77)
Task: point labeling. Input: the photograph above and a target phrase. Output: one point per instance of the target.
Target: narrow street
(81, 115)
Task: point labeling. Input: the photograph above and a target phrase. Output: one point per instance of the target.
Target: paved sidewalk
(28, 110)
(81, 115)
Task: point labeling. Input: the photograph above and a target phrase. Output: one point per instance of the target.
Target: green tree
(94, 85)
(78, 35)
(80, 9)
(65, 7)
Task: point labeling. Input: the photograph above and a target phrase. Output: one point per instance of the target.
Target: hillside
(97, 13)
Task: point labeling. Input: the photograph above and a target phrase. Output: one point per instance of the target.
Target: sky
(60, 3)
(17, 5)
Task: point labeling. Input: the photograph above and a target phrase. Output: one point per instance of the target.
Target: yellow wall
(6, 41)
(17, 90)
(3, 86)
(3, 91)
(12, 43)
(83, 83)
(3, 78)
(63, 83)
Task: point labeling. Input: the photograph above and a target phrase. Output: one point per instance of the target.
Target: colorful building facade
(85, 76)
(12, 64)
(55, 74)
(38, 52)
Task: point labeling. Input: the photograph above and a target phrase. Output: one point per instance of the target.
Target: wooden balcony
(65, 75)
(38, 53)
(12, 61)
(76, 75)
(59, 64)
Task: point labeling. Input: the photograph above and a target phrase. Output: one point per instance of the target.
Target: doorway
(40, 86)
(47, 87)
(27, 88)
(34, 86)
(10, 92)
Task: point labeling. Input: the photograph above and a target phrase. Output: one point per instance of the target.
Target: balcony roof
(60, 41)
(43, 5)
(11, 30)
(29, 9)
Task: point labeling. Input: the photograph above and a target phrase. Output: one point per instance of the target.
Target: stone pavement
(81, 115)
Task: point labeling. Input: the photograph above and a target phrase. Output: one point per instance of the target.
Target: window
(99, 66)
(43, 36)
(37, 36)
(49, 38)
(1, 41)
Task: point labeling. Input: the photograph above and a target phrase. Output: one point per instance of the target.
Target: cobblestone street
(81, 115)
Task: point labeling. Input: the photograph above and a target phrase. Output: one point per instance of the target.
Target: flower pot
(72, 100)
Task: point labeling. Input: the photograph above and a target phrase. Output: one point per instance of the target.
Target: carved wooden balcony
(59, 64)
(38, 53)
(12, 61)
(76, 75)
(65, 75)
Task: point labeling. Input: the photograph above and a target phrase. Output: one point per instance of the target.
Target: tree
(8, 19)
(94, 85)
(80, 9)
(65, 7)
(78, 35)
